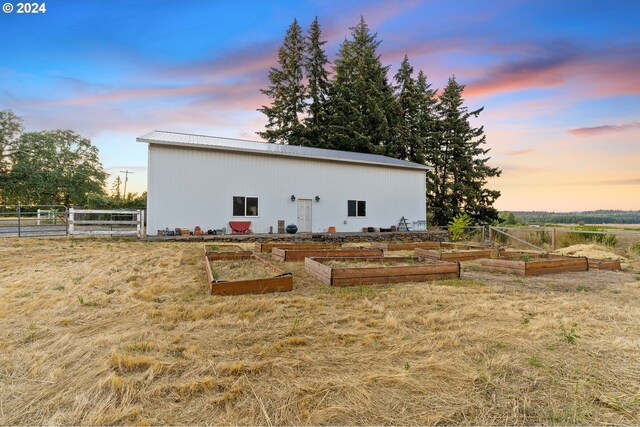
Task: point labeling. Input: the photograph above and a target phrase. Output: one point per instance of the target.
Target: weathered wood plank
(564, 262)
(268, 246)
(562, 269)
(293, 255)
(355, 281)
(604, 264)
(502, 263)
(404, 246)
(394, 270)
(253, 286)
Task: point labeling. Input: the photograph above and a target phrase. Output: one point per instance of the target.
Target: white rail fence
(106, 222)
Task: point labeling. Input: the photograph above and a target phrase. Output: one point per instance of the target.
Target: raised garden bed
(214, 252)
(266, 247)
(299, 254)
(404, 246)
(456, 255)
(530, 265)
(461, 246)
(245, 276)
(604, 264)
(336, 271)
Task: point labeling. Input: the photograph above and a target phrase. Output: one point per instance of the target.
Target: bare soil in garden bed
(383, 263)
(223, 248)
(241, 269)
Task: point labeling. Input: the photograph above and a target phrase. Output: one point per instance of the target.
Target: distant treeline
(587, 217)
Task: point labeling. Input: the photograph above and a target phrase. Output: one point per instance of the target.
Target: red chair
(240, 227)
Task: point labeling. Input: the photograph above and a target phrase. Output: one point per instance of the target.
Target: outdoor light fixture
(293, 198)
(317, 198)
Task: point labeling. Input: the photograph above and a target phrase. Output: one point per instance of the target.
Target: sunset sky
(560, 81)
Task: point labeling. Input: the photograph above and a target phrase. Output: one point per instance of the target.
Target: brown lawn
(123, 332)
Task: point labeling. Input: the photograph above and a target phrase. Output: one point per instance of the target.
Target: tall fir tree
(286, 91)
(360, 109)
(316, 63)
(425, 122)
(456, 185)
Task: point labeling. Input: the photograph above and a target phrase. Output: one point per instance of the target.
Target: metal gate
(33, 221)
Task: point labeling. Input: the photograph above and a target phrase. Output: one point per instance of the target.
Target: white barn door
(304, 215)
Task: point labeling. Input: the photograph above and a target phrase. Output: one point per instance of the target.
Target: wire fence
(550, 239)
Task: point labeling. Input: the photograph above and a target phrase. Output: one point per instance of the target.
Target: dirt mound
(590, 251)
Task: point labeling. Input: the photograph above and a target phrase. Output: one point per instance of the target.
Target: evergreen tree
(407, 97)
(457, 183)
(360, 109)
(318, 87)
(115, 188)
(425, 122)
(286, 91)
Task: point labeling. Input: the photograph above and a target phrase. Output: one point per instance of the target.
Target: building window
(245, 206)
(356, 208)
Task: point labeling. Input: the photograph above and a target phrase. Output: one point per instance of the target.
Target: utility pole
(126, 178)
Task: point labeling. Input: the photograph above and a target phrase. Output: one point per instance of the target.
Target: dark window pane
(362, 208)
(252, 206)
(238, 206)
(351, 208)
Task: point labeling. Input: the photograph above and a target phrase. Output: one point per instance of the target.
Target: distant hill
(588, 217)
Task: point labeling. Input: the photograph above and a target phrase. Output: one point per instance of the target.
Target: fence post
(71, 220)
(139, 218)
(491, 234)
(38, 218)
(553, 239)
(144, 229)
(19, 212)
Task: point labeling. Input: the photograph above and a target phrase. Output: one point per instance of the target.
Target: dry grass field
(123, 332)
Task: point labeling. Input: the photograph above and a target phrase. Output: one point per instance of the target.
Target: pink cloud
(563, 64)
(598, 130)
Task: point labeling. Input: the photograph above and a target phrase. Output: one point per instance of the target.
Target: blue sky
(559, 80)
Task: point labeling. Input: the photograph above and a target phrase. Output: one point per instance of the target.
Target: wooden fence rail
(136, 224)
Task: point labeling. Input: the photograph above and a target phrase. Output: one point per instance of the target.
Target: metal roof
(261, 147)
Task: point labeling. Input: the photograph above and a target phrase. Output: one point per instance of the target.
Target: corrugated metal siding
(189, 187)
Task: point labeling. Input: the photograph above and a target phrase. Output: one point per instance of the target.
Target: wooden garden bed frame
(281, 282)
(461, 246)
(404, 246)
(237, 253)
(266, 247)
(424, 270)
(536, 266)
(457, 255)
(299, 254)
(604, 264)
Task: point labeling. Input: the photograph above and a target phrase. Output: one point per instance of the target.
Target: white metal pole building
(206, 181)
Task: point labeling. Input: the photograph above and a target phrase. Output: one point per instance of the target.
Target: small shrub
(635, 248)
(525, 319)
(457, 226)
(406, 366)
(583, 288)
